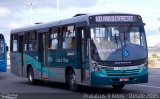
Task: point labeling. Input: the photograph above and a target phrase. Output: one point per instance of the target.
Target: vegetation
(154, 61)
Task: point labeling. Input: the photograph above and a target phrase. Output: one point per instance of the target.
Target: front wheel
(72, 81)
(118, 86)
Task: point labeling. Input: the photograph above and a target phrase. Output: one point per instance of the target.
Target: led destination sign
(113, 18)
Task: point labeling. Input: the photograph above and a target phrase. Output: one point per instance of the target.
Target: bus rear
(118, 50)
(3, 56)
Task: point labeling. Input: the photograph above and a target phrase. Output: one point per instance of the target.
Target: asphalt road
(10, 85)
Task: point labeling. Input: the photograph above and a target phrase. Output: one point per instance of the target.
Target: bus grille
(122, 72)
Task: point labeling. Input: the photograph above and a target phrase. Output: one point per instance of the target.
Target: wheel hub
(30, 77)
(73, 79)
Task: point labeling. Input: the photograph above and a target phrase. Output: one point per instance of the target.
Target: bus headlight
(146, 64)
(96, 67)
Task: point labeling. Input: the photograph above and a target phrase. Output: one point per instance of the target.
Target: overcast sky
(17, 13)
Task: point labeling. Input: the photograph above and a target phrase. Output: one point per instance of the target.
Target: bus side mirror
(6, 48)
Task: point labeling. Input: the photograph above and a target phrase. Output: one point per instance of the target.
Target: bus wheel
(31, 79)
(72, 81)
(118, 86)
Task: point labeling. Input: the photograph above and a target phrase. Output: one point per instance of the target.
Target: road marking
(148, 86)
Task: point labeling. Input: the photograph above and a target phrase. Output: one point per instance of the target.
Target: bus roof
(51, 24)
(75, 19)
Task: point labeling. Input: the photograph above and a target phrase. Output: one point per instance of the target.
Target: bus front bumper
(100, 79)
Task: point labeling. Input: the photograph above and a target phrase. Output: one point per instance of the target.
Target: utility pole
(30, 4)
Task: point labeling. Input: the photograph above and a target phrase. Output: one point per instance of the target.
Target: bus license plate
(124, 79)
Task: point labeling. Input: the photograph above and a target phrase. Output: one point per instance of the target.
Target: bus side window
(32, 41)
(72, 44)
(68, 37)
(53, 39)
(64, 31)
(14, 42)
(25, 42)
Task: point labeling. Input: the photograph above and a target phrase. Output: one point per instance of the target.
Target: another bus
(3, 54)
(92, 50)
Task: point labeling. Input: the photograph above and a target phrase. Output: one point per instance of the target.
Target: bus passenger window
(53, 42)
(54, 39)
(25, 42)
(30, 47)
(68, 38)
(72, 43)
(15, 42)
(15, 45)
(32, 41)
(25, 47)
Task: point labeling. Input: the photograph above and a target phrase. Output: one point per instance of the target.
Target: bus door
(42, 49)
(20, 49)
(84, 61)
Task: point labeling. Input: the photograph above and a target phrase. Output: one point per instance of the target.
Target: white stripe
(148, 86)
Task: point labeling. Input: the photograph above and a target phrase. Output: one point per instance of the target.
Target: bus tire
(72, 81)
(30, 76)
(117, 87)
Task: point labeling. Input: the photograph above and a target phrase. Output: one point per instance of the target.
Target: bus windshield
(1, 48)
(108, 42)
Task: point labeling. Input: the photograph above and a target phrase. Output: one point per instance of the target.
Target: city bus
(87, 49)
(3, 54)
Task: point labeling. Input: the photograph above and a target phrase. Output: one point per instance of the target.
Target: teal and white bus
(92, 50)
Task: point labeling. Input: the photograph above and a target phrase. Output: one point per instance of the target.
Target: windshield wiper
(116, 39)
(129, 27)
(127, 31)
(124, 38)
